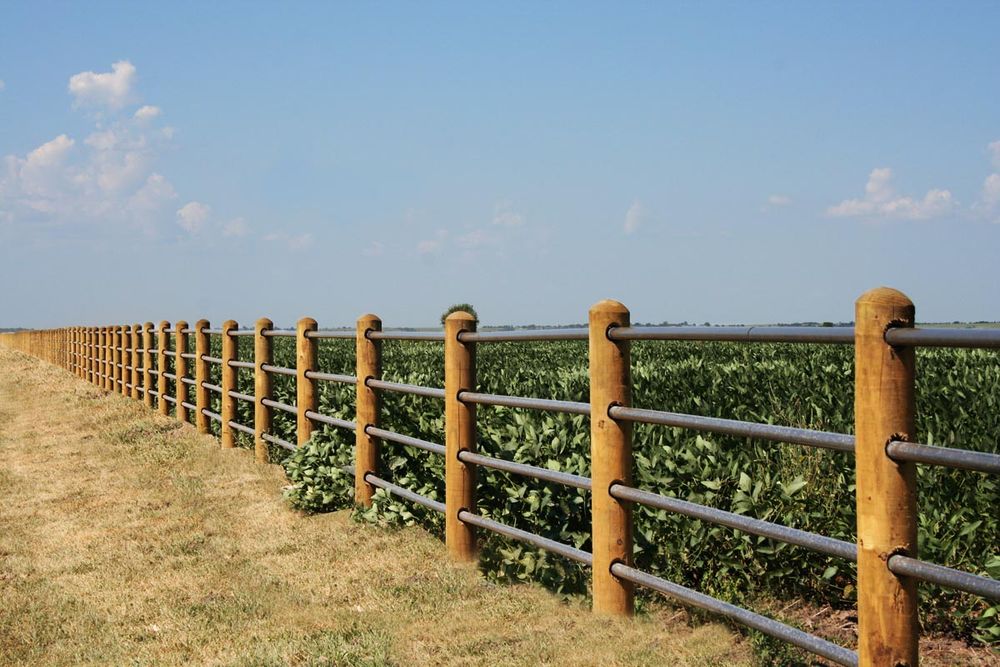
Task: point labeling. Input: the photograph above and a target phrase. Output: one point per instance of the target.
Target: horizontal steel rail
(768, 626)
(944, 576)
(278, 370)
(406, 335)
(402, 492)
(800, 436)
(211, 415)
(964, 459)
(211, 360)
(774, 531)
(524, 335)
(189, 406)
(169, 399)
(242, 332)
(280, 406)
(569, 407)
(214, 332)
(331, 421)
(188, 331)
(236, 426)
(170, 353)
(240, 364)
(275, 440)
(392, 436)
(169, 376)
(279, 333)
(189, 381)
(401, 388)
(154, 371)
(189, 355)
(332, 334)
(525, 470)
(825, 335)
(242, 397)
(555, 547)
(331, 377)
(212, 387)
(919, 337)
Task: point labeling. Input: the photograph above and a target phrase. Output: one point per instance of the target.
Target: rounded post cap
(307, 323)
(181, 324)
(609, 307)
(460, 316)
(201, 324)
(164, 324)
(369, 317)
(885, 296)
(147, 325)
(230, 324)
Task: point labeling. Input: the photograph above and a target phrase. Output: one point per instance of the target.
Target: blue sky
(727, 162)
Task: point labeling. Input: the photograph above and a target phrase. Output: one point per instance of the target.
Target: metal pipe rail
(189, 406)
(243, 332)
(331, 377)
(433, 336)
(801, 436)
(768, 626)
(212, 387)
(899, 450)
(392, 436)
(213, 332)
(211, 360)
(569, 407)
(823, 335)
(332, 334)
(169, 399)
(274, 440)
(189, 355)
(169, 376)
(331, 421)
(944, 576)
(774, 531)
(236, 426)
(918, 337)
(402, 492)
(212, 415)
(555, 547)
(278, 370)
(188, 381)
(241, 364)
(280, 406)
(525, 470)
(242, 397)
(279, 333)
(401, 388)
(170, 353)
(523, 335)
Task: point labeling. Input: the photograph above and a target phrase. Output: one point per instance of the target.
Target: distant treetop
(467, 307)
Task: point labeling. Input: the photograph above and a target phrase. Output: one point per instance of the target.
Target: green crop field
(958, 405)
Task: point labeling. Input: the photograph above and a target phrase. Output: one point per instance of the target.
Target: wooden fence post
(201, 349)
(884, 406)
(610, 458)
(162, 345)
(306, 359)
(180, 369)
(227, 409)
(117, 360)
(262, 354)
(369, 366)
(136, 359)
(125, 358)
(102, 359)
(147, 364)
(460, 433)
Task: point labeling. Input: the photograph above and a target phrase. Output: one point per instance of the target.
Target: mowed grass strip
(126, 538)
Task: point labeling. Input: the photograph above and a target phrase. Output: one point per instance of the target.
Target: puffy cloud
(193, 216)
(634, 217)
(433, 245)
(991, 190)
(881, 201)
(146, 113)
(504, 215)
(235, 227)
(108, 89)
(994, 149)
(779, 200)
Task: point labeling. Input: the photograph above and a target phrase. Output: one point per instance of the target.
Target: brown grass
(126, 537)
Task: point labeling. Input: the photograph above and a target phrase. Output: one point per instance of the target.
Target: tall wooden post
(180, 369)
(369, 367)
(102, 359)
(117, 363)
(884, 408)
(136, 360)
(306, 359)
(610, 458)
(262, 354)
(230, 352)
(147, 363)
(459, 434)
(125, 373)
(162, 345)
(201, 349)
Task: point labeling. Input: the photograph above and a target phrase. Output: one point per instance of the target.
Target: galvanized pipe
(397, 490)
(236, 426)
(523, 335)
(284, 444)
(405, 388)
(569, 407)
(169, 399)
(188, 381)
(211, 360)
(825, 335)
(392, 436)
(407, 335)
(280, 406)
(774, 531)
(981, 338)
(768, 626)
(242, 397)
(559, 548)
(331, 377)
(278, 333)
(212, 387)
(332, 421)
(211, 415)
(332, 334)
(189, 355)
(525, 470)
(278, 370)
(241, 364)
(944, 576)
(242, 332)
(801, 436)
(189, 406)
(964, 459)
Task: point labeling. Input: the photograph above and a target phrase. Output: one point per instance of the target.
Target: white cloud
(504, 215)
(235, 227)
(779, 200)
(994, 149)
(634, 217)
(108, 89)
(991, 190)
(2, 85)
(428, 246)
(146, 113)
(881, 201)
(192, 216)
(300, 241)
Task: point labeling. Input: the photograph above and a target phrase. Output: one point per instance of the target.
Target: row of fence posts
(884, 410)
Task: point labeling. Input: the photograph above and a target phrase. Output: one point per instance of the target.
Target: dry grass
(128, 538)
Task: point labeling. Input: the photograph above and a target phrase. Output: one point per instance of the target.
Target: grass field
(126, 538)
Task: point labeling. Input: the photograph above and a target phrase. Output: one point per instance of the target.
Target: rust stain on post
(369, 366)
(460, 434)
(610, 458)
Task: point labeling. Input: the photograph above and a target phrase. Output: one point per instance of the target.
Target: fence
(120, 358)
